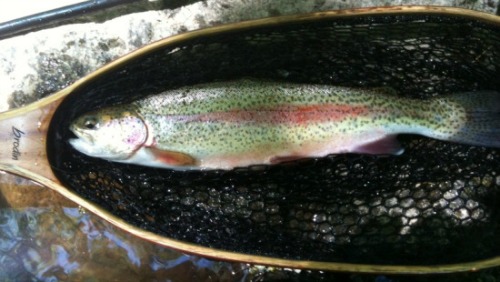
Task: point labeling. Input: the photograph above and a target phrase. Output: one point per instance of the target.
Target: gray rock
(40, 63)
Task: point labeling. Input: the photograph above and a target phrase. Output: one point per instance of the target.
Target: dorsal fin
(385, 90)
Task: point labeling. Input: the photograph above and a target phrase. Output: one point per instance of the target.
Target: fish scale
(230, 124)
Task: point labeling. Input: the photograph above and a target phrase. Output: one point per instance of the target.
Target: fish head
(113, 133)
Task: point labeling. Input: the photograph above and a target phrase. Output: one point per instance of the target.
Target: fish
(245, 122)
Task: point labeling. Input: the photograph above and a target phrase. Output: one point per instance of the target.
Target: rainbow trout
(240, 123)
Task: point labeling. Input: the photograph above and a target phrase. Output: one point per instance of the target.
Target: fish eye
(90, 123)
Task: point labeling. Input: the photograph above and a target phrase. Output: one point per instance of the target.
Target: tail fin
(483, 118)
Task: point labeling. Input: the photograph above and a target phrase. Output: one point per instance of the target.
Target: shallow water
(44, 237)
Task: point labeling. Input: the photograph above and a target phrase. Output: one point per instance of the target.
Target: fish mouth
(82, 146)
(83, 141)
(81, 134)
(88, 148)
(75, 130)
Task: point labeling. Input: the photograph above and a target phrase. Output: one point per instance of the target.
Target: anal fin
(388, 145)
(283, 159)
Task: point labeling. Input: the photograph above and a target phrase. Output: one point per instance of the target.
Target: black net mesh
(437, 203)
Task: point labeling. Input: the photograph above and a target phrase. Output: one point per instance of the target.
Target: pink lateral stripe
(290, 114)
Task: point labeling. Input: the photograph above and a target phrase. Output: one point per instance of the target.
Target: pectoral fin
(388, 145)
(172, 158)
